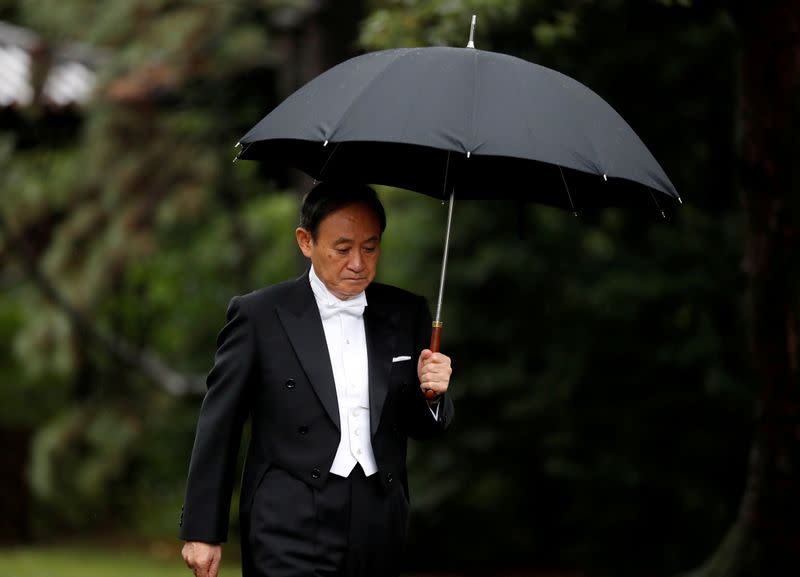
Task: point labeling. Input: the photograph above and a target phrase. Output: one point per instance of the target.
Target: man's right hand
(202, 558)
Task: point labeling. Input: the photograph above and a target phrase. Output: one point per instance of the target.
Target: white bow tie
(353, 306)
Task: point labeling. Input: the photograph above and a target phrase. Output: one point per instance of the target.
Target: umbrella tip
(237, 145)
(680, 200)
(471, 43)
(605, 177)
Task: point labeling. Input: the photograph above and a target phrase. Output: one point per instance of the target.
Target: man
(332, 369)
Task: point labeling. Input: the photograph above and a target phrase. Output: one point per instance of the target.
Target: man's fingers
(189, 559)
(213, 566)
(434, 372)
(434, 360)
(428, 356)
(202, 558)
(435, 386)
(440, 374)
(208, 567)
(436, 368)
(213, 569)
(199, 567)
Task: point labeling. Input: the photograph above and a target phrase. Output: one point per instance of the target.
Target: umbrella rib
(658, 206)
(564, 180)
(529, 132)
(472, 144)
(446, 172)
(241, 152)
(327, 160)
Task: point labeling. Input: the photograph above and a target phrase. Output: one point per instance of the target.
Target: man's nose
(356, 261)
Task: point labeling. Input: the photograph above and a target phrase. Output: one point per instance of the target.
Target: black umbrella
(459, 121)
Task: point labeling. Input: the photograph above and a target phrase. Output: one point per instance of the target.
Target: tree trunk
(765, 539)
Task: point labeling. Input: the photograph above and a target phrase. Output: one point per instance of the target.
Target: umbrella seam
(529, 131)
(472, 145)
(350, 107)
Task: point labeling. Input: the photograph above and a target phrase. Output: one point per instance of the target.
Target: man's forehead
(350, 217)
(353, 210)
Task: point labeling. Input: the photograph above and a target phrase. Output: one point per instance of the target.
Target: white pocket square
(401, 358)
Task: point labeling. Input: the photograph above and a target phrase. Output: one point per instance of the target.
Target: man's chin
(354, 287)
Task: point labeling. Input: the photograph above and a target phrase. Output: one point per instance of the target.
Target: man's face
(345, 253)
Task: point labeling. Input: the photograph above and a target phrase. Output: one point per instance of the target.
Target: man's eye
(369, 249)
(343, 251)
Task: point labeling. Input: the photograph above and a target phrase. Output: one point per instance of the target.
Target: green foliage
(76, 461)
(29, 397)
(136, 217)
(404, 23)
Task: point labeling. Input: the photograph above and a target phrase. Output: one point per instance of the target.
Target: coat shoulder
(269, 296)
(384, 294)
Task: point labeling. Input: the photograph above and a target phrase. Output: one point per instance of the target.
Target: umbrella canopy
(484, 124)
(462, 122)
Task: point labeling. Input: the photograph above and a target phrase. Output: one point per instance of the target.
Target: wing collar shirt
(343, 323)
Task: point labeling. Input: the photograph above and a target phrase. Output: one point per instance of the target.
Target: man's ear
(304, 240)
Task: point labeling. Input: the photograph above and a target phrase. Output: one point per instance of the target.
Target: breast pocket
(404, 371)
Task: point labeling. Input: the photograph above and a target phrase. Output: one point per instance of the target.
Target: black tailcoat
(272, 365)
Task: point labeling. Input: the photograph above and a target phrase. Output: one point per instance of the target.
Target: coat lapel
(302, 323)
(379, 327)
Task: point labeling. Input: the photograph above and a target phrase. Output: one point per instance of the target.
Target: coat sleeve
(219, 429)
(420, 421)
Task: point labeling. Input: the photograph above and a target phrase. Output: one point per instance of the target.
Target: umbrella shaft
(438, 318)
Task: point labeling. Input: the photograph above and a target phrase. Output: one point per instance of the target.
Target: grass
(160, 560)
(85, 561)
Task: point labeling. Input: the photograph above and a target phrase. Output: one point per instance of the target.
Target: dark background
(626, 385)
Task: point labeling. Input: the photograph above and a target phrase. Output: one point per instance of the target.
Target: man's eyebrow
(345, 240)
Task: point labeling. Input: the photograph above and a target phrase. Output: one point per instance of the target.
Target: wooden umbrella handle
(436, 341)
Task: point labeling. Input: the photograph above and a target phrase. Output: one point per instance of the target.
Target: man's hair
(327, 197)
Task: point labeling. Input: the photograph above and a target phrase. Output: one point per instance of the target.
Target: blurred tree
(765, 540)
(600, 361)
(604, 388)
(128, 221)
(131, 225)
